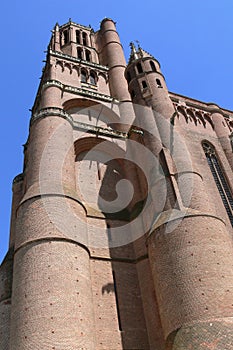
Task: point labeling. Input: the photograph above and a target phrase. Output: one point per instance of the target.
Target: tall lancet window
(219, 179)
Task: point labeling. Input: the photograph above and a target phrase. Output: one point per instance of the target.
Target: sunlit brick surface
(120, 238)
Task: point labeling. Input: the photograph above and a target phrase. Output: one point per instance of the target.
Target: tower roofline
(195, 103)
(140, 54)
(107, 19)
(76, 25)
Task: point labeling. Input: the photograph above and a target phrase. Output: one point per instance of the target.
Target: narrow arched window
(88, 56)
(79, 53)
(77, 36)
(128, 77)
(139, 68)
(144, 84)
(92, 78)
(84, 35)
(158, 82)
(83, 76)
(66, 36)
(152, 65)
(219, 179)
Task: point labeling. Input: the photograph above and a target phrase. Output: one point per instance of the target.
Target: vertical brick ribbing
(52, 300)
(192, 271)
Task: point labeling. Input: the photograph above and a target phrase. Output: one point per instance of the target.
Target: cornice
(88, 93)
(51, 111)
(81, 26)
(97, 130)
(78, 60)
(200, 105)
(78, 91)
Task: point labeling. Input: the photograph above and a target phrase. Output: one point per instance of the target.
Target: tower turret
(188, 230)
(223, 127)
(111, 54)
(147, 84)
(147, 87)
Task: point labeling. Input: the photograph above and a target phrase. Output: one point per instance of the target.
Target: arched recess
(200, 118)
(152, 65)
(209, 121)
(93, 78)
(68, 67)
(103, 83)
(93, 113)
(76, 69)
(103, 77)
(60, 66)
(103, 181)
(139, 68)
(78, 41)
(99, 167)
(84, 75)
(191, 116)
(182, 114)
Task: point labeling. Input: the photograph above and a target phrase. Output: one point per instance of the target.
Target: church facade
(121, 227)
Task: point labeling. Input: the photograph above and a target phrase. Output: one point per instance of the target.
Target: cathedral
(121, 224)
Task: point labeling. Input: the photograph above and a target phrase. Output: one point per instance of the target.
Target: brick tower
(121, 228)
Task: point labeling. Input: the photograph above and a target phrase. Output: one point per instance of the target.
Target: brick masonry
(95, 263)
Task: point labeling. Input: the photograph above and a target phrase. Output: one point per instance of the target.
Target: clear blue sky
(192, 39)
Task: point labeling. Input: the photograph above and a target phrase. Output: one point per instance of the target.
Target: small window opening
(83, 76)
(139, 68)
(77, 36)
(88, 56)
(152, 65)
(92, 78)
(109, 232)
(128, 77)
(158, 83)
(84, 39)
(66, 36)
(79, 53)
(98, 170)
(144, 84)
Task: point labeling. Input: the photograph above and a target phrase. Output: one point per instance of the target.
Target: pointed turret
(146, 82)
(134, 54)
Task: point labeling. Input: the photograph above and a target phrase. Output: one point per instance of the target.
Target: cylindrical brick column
(159, 99)
(51, 94)
(192, 271)
(148, 88)
(17, 189)
(50, 153)
(191, 260)
(222, 131)
(51, 306)
(112, 55)
(51, 297)
(5, 300)
(5, 315)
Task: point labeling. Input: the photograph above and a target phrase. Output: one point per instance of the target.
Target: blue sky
(193, 40)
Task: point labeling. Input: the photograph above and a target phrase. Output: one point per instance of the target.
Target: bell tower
(121, 226)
